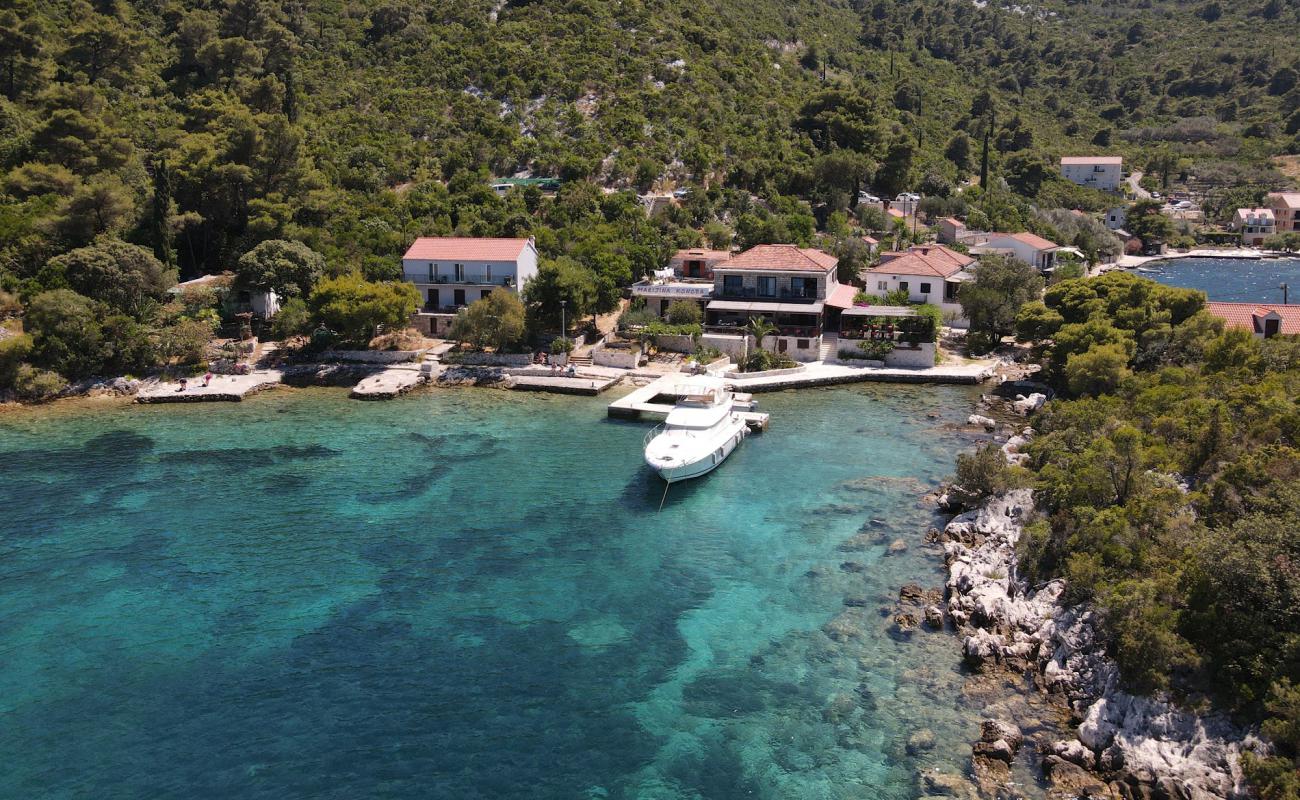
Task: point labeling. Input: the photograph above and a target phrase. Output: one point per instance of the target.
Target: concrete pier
(389, 383)
(222, 389)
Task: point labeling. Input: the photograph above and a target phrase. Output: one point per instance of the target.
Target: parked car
(867, 197)
(1183, 205)
(682, 192)
(907, 197)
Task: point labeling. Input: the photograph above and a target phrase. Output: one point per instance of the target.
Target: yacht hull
(705, 464)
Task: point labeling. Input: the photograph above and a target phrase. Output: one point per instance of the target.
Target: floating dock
(656, 399)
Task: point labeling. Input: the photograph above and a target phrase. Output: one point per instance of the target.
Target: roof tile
(452, 248)
(784, 257)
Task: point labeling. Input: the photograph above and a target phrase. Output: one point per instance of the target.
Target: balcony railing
(790, 331)
(783, 296)
(469, 280)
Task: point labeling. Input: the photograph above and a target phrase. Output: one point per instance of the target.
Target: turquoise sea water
(468, 594)
(1232, 280)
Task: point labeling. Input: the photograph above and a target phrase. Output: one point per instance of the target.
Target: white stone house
(794, 288)
(929, 273)
(1033, 250)
(1116, 218)
(1096, 172)
(452, 272)
(1254, 224)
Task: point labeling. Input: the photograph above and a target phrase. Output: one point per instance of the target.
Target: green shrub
(34, 384)
(12, 352)
(876, 349)
(764, 360)
(984, 474)
(293, 319)
(685, 312)
(561, 344)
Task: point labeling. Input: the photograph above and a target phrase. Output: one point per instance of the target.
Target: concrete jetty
(389, 383)
(588, 380)
(821, 374)
(656, 399)
(222, 389)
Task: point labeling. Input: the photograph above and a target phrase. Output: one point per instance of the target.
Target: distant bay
(1231, 280)
(470, 594)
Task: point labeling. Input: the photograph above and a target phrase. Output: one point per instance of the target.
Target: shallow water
(468, 594)
(1232, 280)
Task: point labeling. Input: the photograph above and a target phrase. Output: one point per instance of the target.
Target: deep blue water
(467, 594)
(1232, 280)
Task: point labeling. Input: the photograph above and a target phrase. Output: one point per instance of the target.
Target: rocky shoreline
(1124, 747)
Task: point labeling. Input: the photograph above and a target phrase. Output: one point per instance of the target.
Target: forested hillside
(201, 128)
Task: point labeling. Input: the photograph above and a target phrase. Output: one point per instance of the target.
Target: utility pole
(1284, 288)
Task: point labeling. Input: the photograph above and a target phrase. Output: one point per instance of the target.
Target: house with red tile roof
(452, 271)
(1029, 248)
(1262, 319)
(929, 273)
(792, 287)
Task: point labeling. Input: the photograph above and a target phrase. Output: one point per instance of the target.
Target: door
(460, 297)
(433, 299)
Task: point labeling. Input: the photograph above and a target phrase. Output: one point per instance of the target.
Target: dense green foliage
(201, 130)
(495, 321)
(1169, 490)
(358, 310)
(1002, 284)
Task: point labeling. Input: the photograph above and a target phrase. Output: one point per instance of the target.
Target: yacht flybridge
(699, 433)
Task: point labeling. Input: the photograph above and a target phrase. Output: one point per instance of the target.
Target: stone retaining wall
(371, 356)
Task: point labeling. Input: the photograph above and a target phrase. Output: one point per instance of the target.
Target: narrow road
(1138, 191)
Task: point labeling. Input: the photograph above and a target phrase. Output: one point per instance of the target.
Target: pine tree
(160, 222)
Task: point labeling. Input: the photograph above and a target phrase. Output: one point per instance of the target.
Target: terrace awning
(842, 297)
(879, 311)
(754, 307)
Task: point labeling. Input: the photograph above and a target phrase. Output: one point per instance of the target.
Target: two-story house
(793, 288)
(1097, 172)
(1254, 224)
(1286, 211)
(929, 273)
(452, 272)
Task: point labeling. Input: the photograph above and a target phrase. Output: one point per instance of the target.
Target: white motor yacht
(699, 433)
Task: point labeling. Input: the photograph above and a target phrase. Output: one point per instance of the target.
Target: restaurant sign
(696, 291)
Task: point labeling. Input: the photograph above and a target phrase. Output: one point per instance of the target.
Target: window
(949, 291)
(433, 272)
(460, 272)
(902, 286)
(925, 288)
(458, 296)
(767, 286)
(803, 287)
(732, 284)
(882, 286)
(489, 274)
